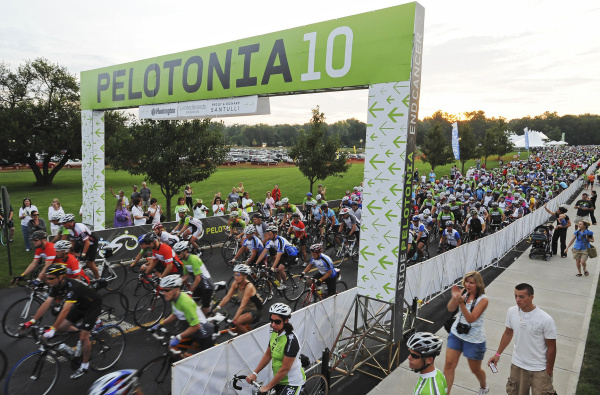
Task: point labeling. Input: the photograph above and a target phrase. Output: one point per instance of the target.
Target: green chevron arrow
(378, 296)
(89, 145)
(102, 148)
(406, 100)
(385, 236)
(389, 153)
(399, 204)
(392, 168)
(98, 211)
(381, 128)
(382, 90)
(365, 278)
(397, 141)
(373, 288)
(383, 144)
(380, 247)
(373, 161)
(381, 179)
(95, 186)
(103, 196)
(373, 273)
(388, 289)
(399, 86)
(402, 154)
(371, 207)
(394, 190)
(389, 99)
(364, 252)
(99, 133)
(373, 236)
(393, 114)
(375, 224)
(385, 199)
(395, 251)
(383, 262)
(372, 110)
(390, 216)
(373, 137)
(371, 183)
(364, 227)
(96, 158)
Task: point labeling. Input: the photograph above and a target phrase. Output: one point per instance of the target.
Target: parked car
(6, 165)
(73, 163)
(40, 164)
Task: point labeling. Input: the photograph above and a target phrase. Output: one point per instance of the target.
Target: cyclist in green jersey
(63, 233)
(284, 354)
(202, 285)
(197, 328)
(236, 222)
(423, 348)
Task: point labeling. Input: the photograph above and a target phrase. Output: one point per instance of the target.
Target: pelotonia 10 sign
(350, 52)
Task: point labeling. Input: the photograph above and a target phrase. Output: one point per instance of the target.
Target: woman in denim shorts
(467, 335)
(582, 239)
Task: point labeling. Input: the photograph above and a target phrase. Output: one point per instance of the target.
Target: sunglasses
(276, 322)
(35, 215)
(415, 356)
(51, 278)
(165, 290)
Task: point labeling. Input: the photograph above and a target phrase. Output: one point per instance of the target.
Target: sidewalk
(568, 299)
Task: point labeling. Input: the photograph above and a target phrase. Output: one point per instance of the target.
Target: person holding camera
(467, 335)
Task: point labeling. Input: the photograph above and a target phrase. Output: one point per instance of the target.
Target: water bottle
(276, 282)
(66, 350)
(77, 352)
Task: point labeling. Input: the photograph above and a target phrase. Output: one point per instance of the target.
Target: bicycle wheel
(316, 385)
(19, 312)
(264, 288)
(119, 272)
(340, 286)
(108, 344)
(354, 251)
(149, 310)
(205, 250)
(293, 287)
(137, 288)
(228, 250)
(155, 377)
(307, 297)
(35, 374)
(3, 364)
(114, 307)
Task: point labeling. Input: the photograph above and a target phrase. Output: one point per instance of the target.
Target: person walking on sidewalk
(584, 207)
(534, 352)
(582, 238)
(560, 231)
(467, 335)
(423, 347)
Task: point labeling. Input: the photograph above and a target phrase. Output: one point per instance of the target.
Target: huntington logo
(163, 111)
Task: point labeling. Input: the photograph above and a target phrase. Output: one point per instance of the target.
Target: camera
(463, 329)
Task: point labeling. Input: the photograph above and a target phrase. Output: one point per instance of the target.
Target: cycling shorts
(204, 292)
(331, 283)
(88, 317)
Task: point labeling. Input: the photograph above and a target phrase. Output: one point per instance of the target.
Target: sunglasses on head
(276, 322)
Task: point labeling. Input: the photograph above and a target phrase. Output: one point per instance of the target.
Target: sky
(509, 58)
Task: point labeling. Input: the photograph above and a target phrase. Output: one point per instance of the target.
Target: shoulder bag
(450, 321)
(592, 252)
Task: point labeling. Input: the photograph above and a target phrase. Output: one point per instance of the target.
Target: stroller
(540, 240)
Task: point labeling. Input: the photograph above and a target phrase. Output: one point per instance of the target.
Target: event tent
(536, 139)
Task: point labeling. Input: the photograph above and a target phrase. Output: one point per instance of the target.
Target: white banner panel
(231, 107)
(92, 172)
(159, 111)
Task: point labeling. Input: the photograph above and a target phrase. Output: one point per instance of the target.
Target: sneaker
(305, 264)
(281, 287)
(98, 325)
(484, 391)
(26, 249)
(78, 373)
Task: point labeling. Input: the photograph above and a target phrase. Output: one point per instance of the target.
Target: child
(562, 219)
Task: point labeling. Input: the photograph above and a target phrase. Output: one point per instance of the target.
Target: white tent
(536, 139)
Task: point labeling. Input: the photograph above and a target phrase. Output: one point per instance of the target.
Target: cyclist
(496, 216)
(444, 217)
(190, 227)
(475, 226)
(428, 204)
(252, 244)
(63, 256)
(450, 237)
(251, 304)
(282, 254)
(161, 253)
(81, 303)
(423, 347)
(283, 352)
(44, 252)
(235, 222)
(298, 228)
(198, 330)
(289, 209)
(356, 210)
(63, 232)
(427, 220)
(233, 207)
(326, 272)
(202, 286)
(348, 222)
(144, 252)
(260, 226)
(328, 219)
(83, 240)
(164, 236)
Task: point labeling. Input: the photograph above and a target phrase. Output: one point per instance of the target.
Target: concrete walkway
(568, 299)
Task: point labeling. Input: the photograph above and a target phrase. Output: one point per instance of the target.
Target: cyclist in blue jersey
(328, 219)
(282, 254)
(326, 272)
(423, 347)
(252, 244)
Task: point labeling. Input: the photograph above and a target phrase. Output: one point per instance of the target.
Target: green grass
(589, 380)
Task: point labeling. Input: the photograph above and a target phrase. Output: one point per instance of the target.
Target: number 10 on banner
(332, 72)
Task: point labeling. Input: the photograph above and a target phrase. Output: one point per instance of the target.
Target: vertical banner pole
(92, 172)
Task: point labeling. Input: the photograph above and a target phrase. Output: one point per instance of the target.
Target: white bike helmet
(250, 229)
(234, 214)
(318, 197)
(56, 216)
(114, 383)
(180, 246)
(244, 269)
(62, 245)
(285, 200)
(182, 210)
(233, 205)
(428, 344)
(171, 281)
(281, 309)
(66, 218)
(272, 228)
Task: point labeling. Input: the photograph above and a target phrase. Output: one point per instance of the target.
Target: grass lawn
(589, 380)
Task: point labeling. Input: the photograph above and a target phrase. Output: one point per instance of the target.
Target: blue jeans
(26, 236)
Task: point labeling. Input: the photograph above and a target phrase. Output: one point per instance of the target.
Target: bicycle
(37, 372)
(347, 247)
(314, 294)
(114, 273)
(315, 384)
(150, 308)
(205, 248)
(266, 284)
(23, 310)
(223, 317)
(230, 248)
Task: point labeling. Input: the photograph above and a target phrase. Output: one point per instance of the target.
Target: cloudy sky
(510, 58)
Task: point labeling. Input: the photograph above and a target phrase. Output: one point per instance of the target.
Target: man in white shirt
(535, 345)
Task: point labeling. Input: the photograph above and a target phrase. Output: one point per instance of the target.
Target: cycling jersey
(351, 220)
(167, 238)
(73, 267)
(77, 293)
(316, 213)
(164, 254)
(281, 245)
(324, 264)
(193, 223)
(81, 233)
(428, 203)
(432, 383)
(287, 345)
(451, 237)
(194, 265)
(496, 215)
(298, 228)
(47, 253)
(476, 224)
(185, 309)
(444, 217)
(419, 228)
(330, 215)
(238, 223)
(254, 243)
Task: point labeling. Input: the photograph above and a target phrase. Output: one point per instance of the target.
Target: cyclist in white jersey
(190, 227)
(423, 348)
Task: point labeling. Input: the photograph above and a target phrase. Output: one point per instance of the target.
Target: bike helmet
(38, 235)
(285, 200)
(446, 207)
(56, 216)
(278, 204)
(234, 214)
(345, 199)
(62, 245)
(57, 269)
(171, 281)
(494, 204)
(426, 211)
(428, 344)
(480, 185)
(281, 309)
(473, 212)
(429, 196)
(233, 205)
(415, 218)
(318, 197)
(309, 194)
(344, 211)
(272, 228)
(244, 269)
(180, 247)
(478, 204)
(250, 229)
(182, 210)
(114, 383)
(149, 238)
(67, 218)
(324, 206)
(452, 199)
(141, 238)
(311, 203)
(449, 223)
(296, 215)
(157, 226)
(316, 248)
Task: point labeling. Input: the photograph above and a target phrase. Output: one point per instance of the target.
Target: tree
(436, 150)
(317, 155)
(468, 145)
(488, 146)
(39, 116)
(175, 153)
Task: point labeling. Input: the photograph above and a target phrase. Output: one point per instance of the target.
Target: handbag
(592, 251)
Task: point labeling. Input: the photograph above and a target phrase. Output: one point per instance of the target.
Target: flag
(455, 146)
(526, 138)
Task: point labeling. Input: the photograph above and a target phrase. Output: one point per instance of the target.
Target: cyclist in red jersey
(44, 252)
(163, 254)
(63, 256)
